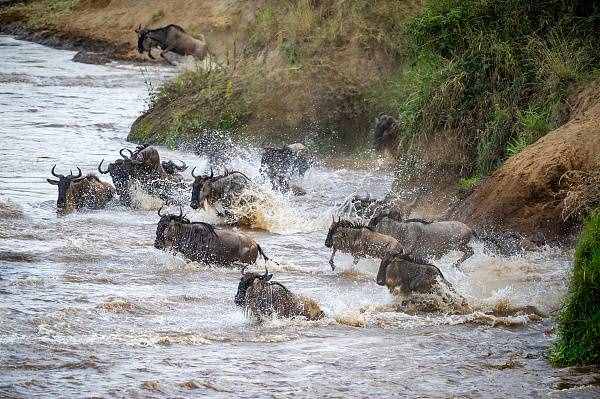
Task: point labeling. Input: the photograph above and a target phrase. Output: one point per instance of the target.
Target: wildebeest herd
(402, 244)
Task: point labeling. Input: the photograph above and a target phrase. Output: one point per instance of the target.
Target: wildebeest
(223, 192)
(386, 133)
(422, 239)
(171, 168)
(281, 164)
(358, 240)
(143, 166)
(76, 192)
(263, 298)
(203, 242)
(396, 271)
(170, 38)
(120, 172)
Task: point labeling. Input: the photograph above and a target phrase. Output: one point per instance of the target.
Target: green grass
(494, 73)
(42, 14)
(468, 183)
(579, 321)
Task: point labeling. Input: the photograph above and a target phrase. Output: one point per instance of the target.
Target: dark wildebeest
(396, 271)
(144, 167)
(422, 239)
(358, 240)
(75, 192)
(170, 38)
(171, 168)
(121, 171)
(263, 298)
(281, 164)
(223, 192)
(386, 134)
(203, 242)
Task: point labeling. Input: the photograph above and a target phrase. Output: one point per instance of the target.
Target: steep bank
(549, 186)
(108, 25)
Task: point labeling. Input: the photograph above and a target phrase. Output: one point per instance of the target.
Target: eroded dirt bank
(539, 190)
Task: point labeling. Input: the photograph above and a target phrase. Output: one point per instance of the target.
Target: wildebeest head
(201, 188)
(172, 168)
(142, 39)
(247, 280)
(335, 225)
(385, 132)
(63, 183)
(163, 223)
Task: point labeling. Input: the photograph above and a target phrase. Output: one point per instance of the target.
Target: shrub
(579, 321)
(492, 72)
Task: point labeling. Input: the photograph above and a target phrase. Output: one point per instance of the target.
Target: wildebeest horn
(211, 172)
(160, 209)
(54, 174)
(125, 156)
(100, 167)
(180, 211)
(193, 175)
(266, 271)
(78, 176)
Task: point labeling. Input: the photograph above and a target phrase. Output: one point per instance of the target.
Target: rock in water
(90, 57)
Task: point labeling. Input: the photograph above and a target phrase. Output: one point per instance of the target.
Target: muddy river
(88, 308)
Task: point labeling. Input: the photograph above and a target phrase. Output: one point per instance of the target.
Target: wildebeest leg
(331, 259)
(162, 54)
(467, 253)
(150, 53)
(355, 261)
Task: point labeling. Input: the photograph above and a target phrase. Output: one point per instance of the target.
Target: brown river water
(88, 308)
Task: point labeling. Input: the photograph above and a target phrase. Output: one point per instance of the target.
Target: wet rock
(91, 57)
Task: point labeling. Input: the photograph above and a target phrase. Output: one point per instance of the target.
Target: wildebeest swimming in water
(170, 38)
(386, 133)
(171, 168)
(264, 298)
(358, 240)
(226, 193)
(203, 242)
(76, 192)
(422, 238)
(396, 271)
(282, 164)
(143, 166)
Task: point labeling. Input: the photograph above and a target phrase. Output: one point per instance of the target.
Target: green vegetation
(43, 14)
(193, 102)
(579, 321)
(468, 183)
(495, 73)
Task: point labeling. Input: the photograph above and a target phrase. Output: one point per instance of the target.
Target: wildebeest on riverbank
(263, 298)
(203, 242)
(170, 38)
(76, 192)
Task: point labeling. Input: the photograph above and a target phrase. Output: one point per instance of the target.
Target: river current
(88, 308)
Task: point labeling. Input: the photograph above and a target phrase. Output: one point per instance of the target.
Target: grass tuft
(579, 321)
